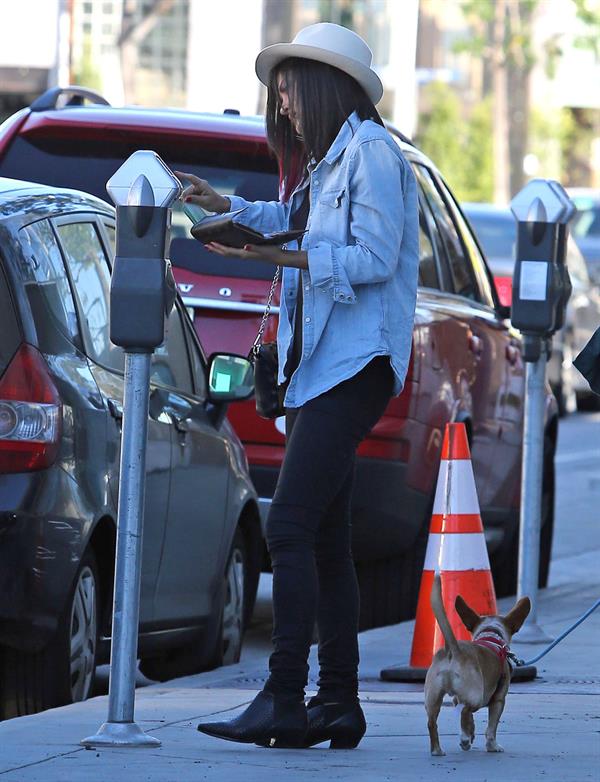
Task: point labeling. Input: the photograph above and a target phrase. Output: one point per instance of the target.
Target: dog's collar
(495, 643)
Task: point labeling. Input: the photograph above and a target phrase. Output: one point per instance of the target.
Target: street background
(494, 91)
(550, 728)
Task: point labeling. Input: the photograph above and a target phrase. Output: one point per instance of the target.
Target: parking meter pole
(141, 297)
(531, 495)
(542, 288)
(120, 730)
(123, 663)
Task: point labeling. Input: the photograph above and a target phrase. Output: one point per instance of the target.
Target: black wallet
(225, 230)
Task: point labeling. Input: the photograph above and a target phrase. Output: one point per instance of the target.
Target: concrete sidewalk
(550, 728)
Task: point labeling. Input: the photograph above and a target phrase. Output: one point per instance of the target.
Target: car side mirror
(230, 378)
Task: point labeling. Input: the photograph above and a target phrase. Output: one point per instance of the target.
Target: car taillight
(30, 414)
(504, 288)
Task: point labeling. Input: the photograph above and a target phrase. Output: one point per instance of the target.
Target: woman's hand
(201, 193)
(263, 252)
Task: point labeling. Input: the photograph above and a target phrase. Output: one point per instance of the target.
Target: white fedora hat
(329, 43)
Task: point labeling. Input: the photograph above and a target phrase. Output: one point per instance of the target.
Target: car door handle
(116, 409)
(181, 424)
(475, 345)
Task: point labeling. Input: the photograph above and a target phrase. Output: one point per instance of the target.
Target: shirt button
(307, 287)
(307, 320)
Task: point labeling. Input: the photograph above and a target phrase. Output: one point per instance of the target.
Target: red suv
(466, 361)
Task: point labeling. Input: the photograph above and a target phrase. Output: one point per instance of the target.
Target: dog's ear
(470, 618)
(517, 615)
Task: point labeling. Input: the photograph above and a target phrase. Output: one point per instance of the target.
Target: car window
(576, 264)
(234, 166)
(46, 282)
(9, 327)
(478, 267)
(170, 361)
(90, 277)
(111, 233)
(463, 281)
(196, 359)
(428, 274)
(587, 219)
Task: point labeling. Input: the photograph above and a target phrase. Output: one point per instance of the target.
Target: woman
(344, 339)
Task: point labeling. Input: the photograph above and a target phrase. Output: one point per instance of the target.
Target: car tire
(389, 589)
(588, 402)
(565, 393)
(64, 671)
(222, 642)
(506, 571)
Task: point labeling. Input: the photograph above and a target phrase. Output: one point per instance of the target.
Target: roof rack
(49, 99)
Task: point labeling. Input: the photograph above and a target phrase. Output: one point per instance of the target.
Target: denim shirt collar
(341, 141)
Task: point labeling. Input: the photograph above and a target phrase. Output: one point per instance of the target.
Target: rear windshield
(9, 327)
(87, 165)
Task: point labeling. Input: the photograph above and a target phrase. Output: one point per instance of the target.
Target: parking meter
(141, 296)
(542, 285)
(541, 291)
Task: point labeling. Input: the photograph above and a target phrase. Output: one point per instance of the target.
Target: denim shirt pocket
(333, 198)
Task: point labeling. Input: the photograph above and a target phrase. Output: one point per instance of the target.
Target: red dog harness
(495, 644)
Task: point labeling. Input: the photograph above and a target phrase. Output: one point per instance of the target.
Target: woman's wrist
(224, 205)
(297, 259)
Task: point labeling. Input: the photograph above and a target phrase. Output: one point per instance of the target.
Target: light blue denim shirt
(362, 242)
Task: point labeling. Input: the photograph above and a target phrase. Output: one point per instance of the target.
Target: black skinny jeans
(308, 536)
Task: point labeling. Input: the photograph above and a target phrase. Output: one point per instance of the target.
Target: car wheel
(506, 571)
(63, 672)
(222, 642)
(564, 392)
(589, 402)
(232, 624)
(389, 589)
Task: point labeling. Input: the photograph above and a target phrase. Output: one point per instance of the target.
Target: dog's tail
(440, 614)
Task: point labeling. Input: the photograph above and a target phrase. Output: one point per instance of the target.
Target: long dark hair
(324, 97)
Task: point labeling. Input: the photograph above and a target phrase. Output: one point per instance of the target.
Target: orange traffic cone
(456, 547)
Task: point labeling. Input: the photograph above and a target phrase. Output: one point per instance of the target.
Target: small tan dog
(475, 673)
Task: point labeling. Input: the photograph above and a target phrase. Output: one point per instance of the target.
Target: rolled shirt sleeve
(377, 187)
(264, 216)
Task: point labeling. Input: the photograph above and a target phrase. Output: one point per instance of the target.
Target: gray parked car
(61, 392)
(496, 230)
(586, 227)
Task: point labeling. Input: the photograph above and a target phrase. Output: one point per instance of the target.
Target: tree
(502, 38)
(461, 147)
(133, 31)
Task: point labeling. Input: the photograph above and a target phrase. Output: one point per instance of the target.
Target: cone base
(403, 673)
(407, 674)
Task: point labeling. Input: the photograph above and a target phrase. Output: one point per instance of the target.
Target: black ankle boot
(342, 724)
(267, 721)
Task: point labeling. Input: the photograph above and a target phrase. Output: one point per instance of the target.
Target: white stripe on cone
(456, 551)
(455, 492)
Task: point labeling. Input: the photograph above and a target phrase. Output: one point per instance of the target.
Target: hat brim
(271, 56)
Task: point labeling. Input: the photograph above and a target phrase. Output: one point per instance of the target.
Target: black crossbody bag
(269, 395)
(263, 357)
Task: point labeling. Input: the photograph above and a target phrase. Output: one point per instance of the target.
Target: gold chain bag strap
(263, 357)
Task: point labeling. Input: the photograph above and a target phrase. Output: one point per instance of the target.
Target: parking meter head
(126, 187)
(525, 204)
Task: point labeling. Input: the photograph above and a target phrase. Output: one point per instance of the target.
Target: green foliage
(86, 73)
(460, 148)
(590, 16)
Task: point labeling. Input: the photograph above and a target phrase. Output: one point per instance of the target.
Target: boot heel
(345, 742)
